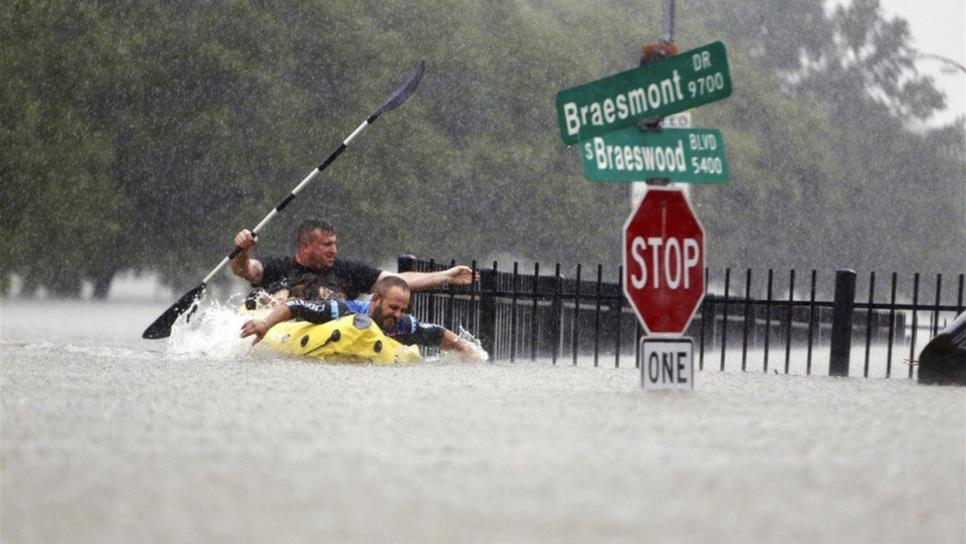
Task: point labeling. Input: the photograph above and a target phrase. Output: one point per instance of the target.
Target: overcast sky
(938, 27)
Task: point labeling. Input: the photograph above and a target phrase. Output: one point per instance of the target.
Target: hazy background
(138, 137)
(938, 28)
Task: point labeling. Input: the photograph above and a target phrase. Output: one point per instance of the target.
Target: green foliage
(142, 135)
(825, 172)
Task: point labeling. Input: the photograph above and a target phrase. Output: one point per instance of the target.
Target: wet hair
(388, 282)
(309, 226)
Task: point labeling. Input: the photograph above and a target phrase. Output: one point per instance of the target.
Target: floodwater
(110, 438)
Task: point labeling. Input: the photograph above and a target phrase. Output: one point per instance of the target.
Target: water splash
(481, 353)
(212, 330)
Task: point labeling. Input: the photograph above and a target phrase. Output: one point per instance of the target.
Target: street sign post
(686, 155)
(675, 120)
(675, 84)
(664, 261)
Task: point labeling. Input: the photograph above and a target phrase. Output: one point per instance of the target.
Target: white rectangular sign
(667, 363)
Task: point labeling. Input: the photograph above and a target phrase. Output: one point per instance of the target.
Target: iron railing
(763, 323)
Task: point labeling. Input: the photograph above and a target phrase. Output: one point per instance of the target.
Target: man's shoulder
(407, 324)
(357, 306)
(358, 272)
(355, 278)
(347, 265)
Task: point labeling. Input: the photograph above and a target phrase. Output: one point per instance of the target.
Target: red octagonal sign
(664, 261)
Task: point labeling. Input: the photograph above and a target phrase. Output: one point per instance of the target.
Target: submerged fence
(756, 322)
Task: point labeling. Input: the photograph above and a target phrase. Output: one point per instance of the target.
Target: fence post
(406, 263)
(488, 311)
(409, 263)
(841, 342)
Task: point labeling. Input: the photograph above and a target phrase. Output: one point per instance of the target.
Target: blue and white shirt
(408, 329)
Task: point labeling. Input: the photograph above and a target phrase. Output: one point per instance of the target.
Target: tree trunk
(102, 284)
(102, 281)
(65, 286)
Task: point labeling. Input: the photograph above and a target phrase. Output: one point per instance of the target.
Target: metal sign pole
(668, 35)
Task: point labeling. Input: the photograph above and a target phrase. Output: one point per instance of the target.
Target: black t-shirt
(346, 279)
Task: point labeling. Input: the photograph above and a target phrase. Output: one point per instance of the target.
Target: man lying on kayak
(316, 250)
(389, 299)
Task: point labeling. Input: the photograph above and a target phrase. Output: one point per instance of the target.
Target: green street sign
(675, 84)
(692, 155)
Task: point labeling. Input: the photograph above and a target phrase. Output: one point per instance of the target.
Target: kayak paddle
(161, 328)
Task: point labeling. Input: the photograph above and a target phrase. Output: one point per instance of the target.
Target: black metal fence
(755, 322)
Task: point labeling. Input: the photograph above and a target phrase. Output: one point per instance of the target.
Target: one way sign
(667, 363)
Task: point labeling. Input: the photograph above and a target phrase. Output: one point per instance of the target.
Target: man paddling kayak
(316, 250)
(390, 299)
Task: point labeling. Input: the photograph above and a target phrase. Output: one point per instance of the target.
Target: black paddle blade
(161, 328)
(404, 92)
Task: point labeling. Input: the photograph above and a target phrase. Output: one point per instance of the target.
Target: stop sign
(664, 261)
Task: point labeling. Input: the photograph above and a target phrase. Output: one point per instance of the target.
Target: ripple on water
(104, 440)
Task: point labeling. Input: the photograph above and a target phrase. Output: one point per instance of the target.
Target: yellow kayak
(349, 339)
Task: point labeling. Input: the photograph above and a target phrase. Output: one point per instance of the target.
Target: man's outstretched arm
(457, 275)
(258, 327)
(313, 312)
(467, 352)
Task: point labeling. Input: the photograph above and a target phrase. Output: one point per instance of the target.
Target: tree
(142, 135)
